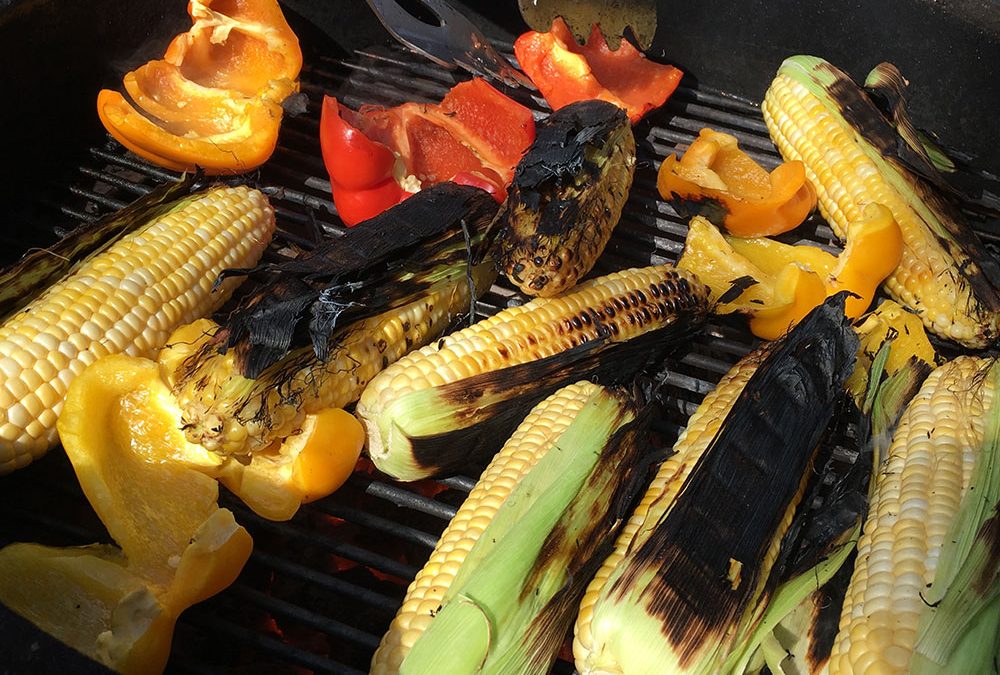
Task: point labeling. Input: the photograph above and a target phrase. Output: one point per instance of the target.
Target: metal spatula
(454, 42)
(613, 15)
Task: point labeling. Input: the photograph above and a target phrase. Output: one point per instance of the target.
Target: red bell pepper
(565, 72)
(377, 157)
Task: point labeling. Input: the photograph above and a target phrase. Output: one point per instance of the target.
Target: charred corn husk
(506, 575)
(689, 577)
(126, 298)
(317, 335)
(566, 198)
(443, 407)
(854, 155)
(924, 593)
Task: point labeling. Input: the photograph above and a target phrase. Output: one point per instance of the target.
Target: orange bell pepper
(566, 72)
(214, 100)
(784, 283)
(717, 180)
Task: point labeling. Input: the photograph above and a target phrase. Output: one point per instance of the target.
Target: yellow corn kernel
(125, 299)
(918, 492)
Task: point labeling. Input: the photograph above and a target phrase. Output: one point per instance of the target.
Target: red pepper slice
(566, 72)
(377, 157)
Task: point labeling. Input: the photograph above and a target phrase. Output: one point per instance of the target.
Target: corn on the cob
(442, 408)
(913, 527)
(125, 299)
(566, 197)
(520, 549)
(232, 415)
(816, 114)
(314, 336)
(682, 592)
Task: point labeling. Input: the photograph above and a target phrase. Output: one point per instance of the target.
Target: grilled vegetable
(854, 155)
(442, 408)
(376, 157)
(691, 571)
(778, 284)
(566, 198)
(177, 547)
(508, 572)
(924, 593)
(796, 631)
(717, 180)
(317, 335)
(126, 298)
(214, 100)
(566, 72)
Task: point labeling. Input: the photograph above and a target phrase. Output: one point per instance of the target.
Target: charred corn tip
(125, 299)
(530, 441)
(620, 305)
(849, 174)
(918, 492)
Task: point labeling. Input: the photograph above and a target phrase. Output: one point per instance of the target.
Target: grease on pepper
(176, 547)
(778, 284)
(717, 180)
(566, 72)
(214, 100)
(377, 157)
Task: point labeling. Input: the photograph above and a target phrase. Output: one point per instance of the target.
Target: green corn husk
(512, 600)
(960, 631)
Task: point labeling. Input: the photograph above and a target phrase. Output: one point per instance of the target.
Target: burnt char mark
(828, 601)
(989, 533)
(490, 405)
(859, 111)
(725, 511)
(709, 208)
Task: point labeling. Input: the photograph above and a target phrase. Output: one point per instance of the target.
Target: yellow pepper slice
(789, 281)
(717, 180)
(177, 547)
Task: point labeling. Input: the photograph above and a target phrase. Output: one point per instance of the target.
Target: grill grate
(320, 590)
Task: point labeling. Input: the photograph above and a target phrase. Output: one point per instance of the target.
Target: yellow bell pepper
(786, 282)
(177, 547)
(721, 182)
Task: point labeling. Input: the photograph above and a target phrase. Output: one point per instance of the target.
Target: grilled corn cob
(566, 198)
(507, 573)
(127, 299)
(816, 114)
(925, 509)
(319, 331)
(442, 408)
(690, 572)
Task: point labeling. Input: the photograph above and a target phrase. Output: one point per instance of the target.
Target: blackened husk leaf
(519, 388)
(741, 487)
(380, 264)
(29, 277)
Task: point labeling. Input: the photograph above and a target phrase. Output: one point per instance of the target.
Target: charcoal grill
(319, 591)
